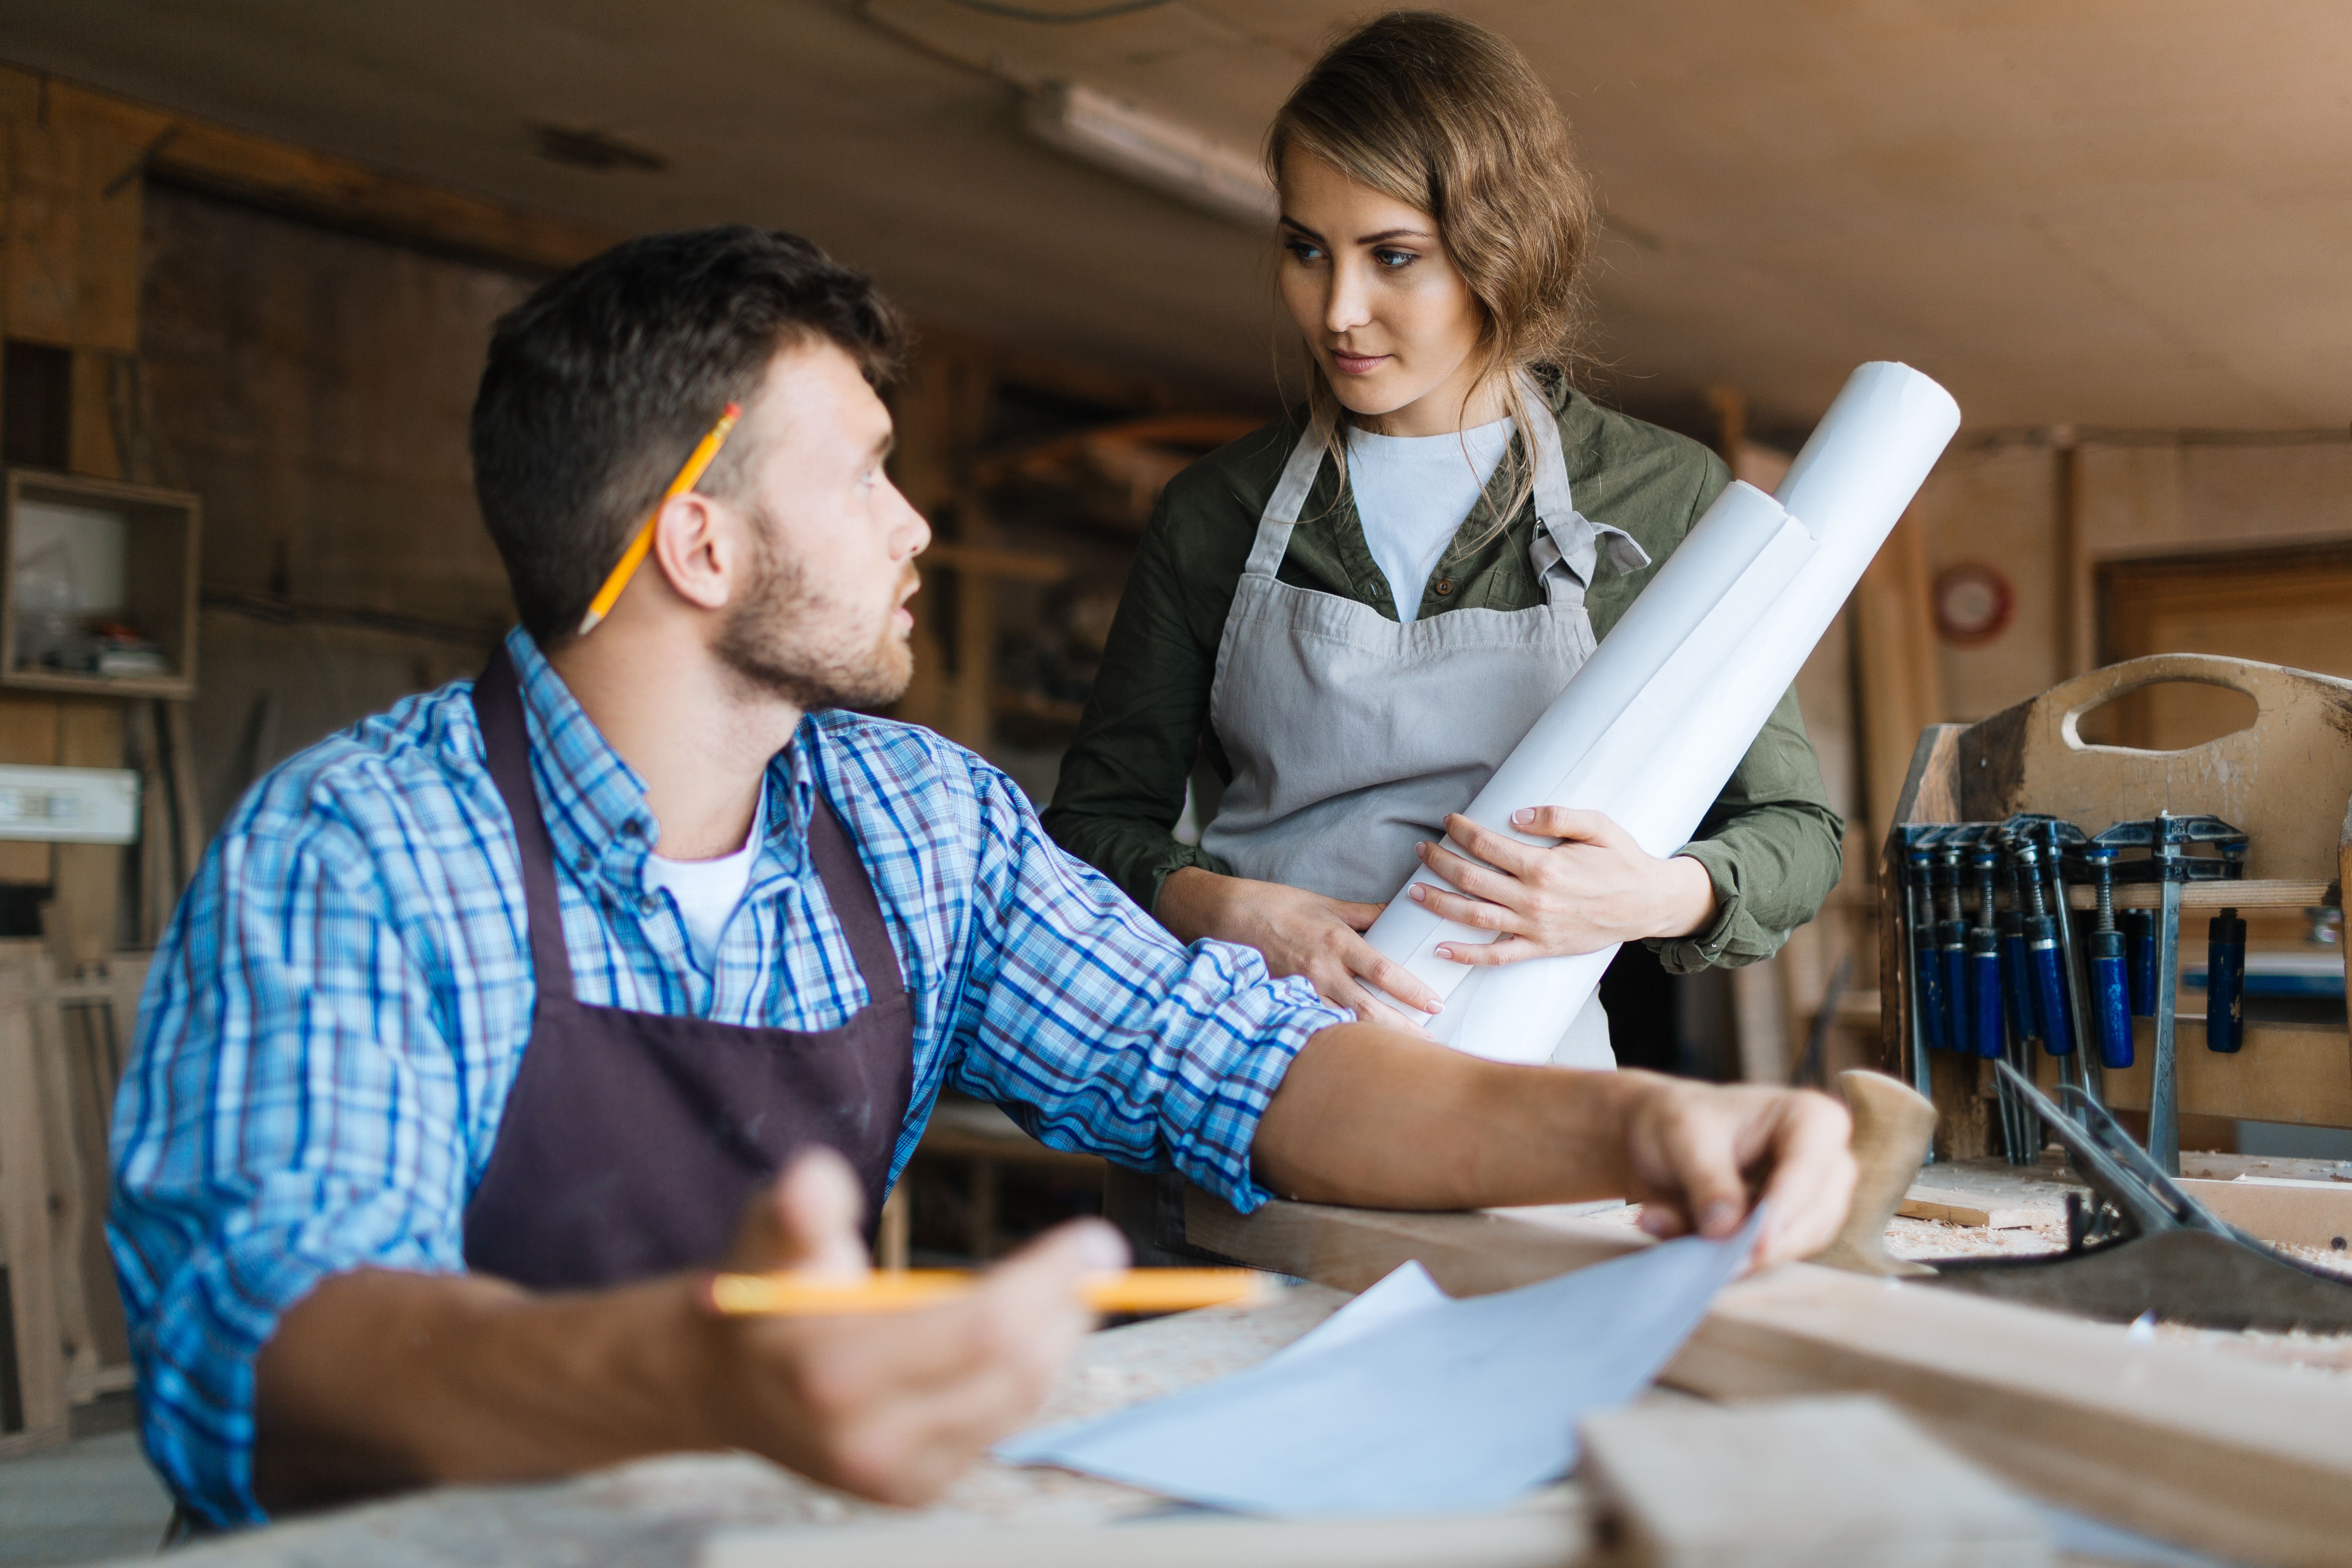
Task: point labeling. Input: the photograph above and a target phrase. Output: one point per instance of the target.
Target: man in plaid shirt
(492, 1024)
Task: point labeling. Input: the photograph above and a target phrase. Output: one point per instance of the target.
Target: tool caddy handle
(2286, 778)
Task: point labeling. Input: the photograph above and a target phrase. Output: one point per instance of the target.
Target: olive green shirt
(1770, 842)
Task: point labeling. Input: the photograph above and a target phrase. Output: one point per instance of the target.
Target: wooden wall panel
(107, 201)
(314, 388)
(40, 296)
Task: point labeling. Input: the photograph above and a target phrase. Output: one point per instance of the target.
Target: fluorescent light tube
(1171, 158)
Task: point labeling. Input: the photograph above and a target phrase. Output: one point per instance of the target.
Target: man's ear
(698, 549)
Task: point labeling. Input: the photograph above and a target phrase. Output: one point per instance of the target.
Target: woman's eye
(1304, 251)
(1395, 260)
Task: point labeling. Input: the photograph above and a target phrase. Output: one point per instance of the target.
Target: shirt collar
(595, 802)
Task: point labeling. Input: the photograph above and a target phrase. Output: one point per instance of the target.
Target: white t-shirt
(708, 891)
(1412, 492)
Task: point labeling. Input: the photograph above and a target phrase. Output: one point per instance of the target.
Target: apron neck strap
(1282, 508)
(855, 903)
(1564, 536)
(498, 706)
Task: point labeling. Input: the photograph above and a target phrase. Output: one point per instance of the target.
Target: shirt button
(1444, 585)
(646, 906)
(586, 862)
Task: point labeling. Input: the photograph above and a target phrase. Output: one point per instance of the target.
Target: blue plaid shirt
(338, 1009)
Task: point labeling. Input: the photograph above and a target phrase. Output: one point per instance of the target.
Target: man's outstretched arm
(382, 1380)
(1380, 1118)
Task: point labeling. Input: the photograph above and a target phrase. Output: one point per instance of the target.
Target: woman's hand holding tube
(1595, 887)
(1300, 933)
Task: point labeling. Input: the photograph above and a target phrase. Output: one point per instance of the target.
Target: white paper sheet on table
(1408, 1401)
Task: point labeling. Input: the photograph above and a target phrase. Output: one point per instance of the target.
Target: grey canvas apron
(1352, 736)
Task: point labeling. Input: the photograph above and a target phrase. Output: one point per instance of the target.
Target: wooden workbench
(671, 1511)
(660, 1513)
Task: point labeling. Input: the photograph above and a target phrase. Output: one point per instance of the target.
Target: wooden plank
(2298, 1073)
(1949, 1206)
(25, 1234)
(1838, 1482)
(2211, 1450)
(188, 810)
(39, 297)
(351, 195)
(89, 425)
(2297, 1214)
(65, 1136)
(108, 199)
(1555, 1536)
(87, 877)
(2268, 892)
(28, 738)
(1350, 1250)
(1897, 670)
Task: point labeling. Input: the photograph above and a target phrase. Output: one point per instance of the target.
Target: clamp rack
(2285, 780)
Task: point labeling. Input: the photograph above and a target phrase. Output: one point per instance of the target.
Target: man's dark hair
(600, 384)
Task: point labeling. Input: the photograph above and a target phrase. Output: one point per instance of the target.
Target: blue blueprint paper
(1445, 1407)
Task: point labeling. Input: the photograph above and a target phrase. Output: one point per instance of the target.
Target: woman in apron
(1352, 616)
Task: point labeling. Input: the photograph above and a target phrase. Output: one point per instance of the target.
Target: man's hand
(381, 1379)
(1300, 933)
(892, 1407)
(1595, 888)
(1698, 1154)
(1373, 1116)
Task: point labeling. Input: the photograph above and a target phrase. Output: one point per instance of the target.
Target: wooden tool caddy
(2285, 779)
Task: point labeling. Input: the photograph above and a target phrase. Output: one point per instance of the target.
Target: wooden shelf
(173, 688)
(154, 534)
(2254, 893)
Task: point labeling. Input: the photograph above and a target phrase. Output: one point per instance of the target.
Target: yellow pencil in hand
(792, 1295)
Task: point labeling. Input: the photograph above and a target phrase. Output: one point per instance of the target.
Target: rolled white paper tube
(1487, 1010)
(1634, 730)
(1723, 544)
(1850, 485)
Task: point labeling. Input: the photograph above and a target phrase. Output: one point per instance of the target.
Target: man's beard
(776, 639)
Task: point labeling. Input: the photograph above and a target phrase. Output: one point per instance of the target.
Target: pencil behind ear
(807, 1219)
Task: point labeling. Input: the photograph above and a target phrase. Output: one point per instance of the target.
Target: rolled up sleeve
(1098, 1031)
(289, 1114)
(1770, 844)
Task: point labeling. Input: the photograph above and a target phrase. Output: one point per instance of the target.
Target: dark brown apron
(631, 1141)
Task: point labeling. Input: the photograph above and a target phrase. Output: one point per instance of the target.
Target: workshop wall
(2019, 525)
(313, 387)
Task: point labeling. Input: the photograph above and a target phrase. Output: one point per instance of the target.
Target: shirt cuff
(1157, 870)
(1712, 946)
(197, 1344)
(1233, 1072)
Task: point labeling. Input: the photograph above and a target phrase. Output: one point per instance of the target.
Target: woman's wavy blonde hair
(1447, 117)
